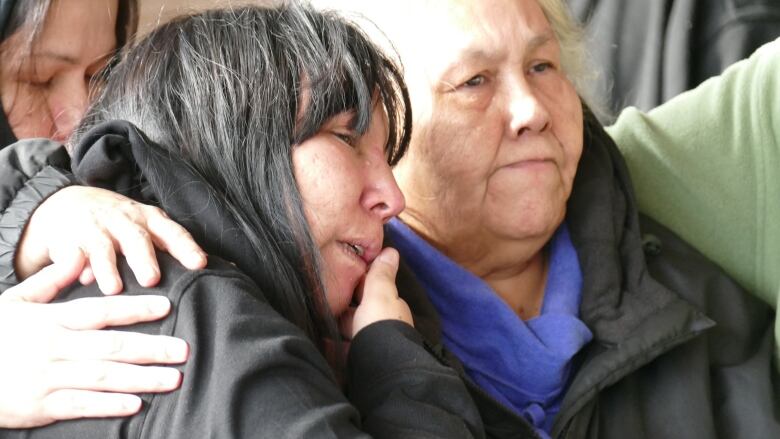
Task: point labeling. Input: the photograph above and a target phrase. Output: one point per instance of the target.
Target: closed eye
(348, 138)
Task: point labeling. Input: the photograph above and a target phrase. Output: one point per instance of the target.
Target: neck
(515, 269)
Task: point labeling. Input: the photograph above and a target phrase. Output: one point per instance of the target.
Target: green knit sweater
(707, 165)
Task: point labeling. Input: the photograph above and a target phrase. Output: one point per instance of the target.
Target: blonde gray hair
(574, 53)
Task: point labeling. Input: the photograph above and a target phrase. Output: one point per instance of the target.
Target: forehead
(488, 28)
(80, 29)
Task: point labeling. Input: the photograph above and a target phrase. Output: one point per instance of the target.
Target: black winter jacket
(678, 350)
(251, 373)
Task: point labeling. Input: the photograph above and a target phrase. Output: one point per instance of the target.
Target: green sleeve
(707, 165)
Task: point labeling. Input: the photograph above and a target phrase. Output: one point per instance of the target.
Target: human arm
(33, 172)
(252, 373)
(707, 165)
(56, 366)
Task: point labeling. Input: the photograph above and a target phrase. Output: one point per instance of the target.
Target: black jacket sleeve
(30, 171)
(401, 389)
(253, 374)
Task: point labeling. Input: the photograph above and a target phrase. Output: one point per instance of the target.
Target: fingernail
(197, 259)
(150, 276)
(169, 378)
(159, 305)
(387, 256)
(177, 350)
(130, 403)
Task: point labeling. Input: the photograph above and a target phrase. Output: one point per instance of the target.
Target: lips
(364, 249)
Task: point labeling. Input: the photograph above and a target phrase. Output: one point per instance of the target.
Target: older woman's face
(498, 126)
(348, 193)
(45, 93)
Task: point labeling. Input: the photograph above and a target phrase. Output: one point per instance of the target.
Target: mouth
(362, 250)
(356, 248)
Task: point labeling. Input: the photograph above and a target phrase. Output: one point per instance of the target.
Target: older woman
(522, 230)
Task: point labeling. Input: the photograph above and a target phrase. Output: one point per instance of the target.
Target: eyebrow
(478, 54)
(542, 39)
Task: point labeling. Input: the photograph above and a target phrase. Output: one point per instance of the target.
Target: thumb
(43, 286)
(384, 267)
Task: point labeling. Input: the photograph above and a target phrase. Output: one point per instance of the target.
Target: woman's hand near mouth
(377, 297)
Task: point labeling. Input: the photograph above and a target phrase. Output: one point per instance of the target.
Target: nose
(67, 104)
(382, 196)
(527, 112)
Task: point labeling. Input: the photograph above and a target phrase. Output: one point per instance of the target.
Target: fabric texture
(707, 165)
(678, 350)
(650, 51)
(526, 365)
(251, 372)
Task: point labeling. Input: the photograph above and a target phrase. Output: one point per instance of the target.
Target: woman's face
(45, 91)
(348, 193)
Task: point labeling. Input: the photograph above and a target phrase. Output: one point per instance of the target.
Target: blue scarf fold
(524, 365)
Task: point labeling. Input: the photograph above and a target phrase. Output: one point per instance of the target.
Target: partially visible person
(707, 165)
(291, 209)
(50, 52)
(650, 51)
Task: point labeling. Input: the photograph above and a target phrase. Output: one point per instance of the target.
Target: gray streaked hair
(231, 92)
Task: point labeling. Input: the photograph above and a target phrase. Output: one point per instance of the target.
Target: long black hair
(231, 91)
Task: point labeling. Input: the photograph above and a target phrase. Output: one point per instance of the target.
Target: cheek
(458, 144)
(339, 284)
(27, 111)
(568, 127)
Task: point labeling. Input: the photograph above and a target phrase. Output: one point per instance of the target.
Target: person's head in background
(291, 118)
(50, 50)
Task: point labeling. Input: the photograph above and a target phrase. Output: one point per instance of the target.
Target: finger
(136, 245)
(74, 404)
(87, 276)
(120, 346)
(43, 286)
(382, 270)
(110, 376)
(102, 258)
(176, 240)
(100, 312)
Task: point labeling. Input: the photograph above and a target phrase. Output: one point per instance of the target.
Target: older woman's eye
(475, 81)
(541, 67)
